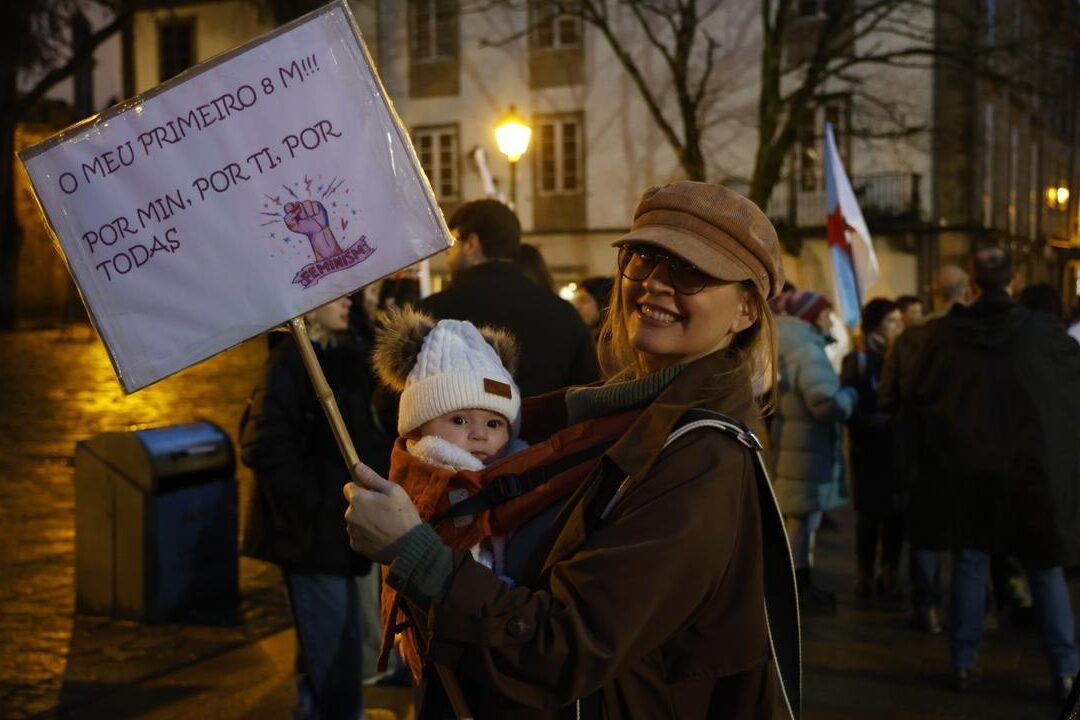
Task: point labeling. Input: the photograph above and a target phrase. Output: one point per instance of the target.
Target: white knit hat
(457, 369)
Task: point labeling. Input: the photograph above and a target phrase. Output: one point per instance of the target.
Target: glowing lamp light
(512, 136)
(1057, 197)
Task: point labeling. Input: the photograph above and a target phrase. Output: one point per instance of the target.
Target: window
(807, 20)
(176, 47)
(437, 148)
(434, 26)
(556, 44)
(555, 25)
(810, 136)
(559, 153)
(559, 199)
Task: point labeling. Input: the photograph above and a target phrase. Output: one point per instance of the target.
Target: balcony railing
(883, 198)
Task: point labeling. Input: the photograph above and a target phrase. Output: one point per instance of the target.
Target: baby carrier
(466, 507)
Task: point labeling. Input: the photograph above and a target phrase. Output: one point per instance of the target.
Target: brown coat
(654, 612)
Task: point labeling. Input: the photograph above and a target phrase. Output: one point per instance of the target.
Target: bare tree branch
(78, 58)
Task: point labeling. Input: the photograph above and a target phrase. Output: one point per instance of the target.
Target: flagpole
(348, 451)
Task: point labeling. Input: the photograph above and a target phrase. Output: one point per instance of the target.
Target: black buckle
(507, 487)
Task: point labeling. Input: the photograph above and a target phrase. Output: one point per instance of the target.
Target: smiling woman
(578, 633)
(674, 313)
(669, 310)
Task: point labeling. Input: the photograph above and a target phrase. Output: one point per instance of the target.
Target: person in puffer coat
(807, 439)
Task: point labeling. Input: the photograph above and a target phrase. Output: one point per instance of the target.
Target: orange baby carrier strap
(466, 507)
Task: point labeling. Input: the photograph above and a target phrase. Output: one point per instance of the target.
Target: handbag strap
(781, 599)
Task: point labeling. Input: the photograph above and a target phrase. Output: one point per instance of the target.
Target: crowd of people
(949, 431)
(961, 431)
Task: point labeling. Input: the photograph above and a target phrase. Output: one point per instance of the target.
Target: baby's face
(480, 432)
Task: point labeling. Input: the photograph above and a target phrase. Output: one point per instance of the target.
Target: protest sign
(249, 190)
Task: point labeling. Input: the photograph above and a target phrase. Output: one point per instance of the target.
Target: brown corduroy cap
(722, 233)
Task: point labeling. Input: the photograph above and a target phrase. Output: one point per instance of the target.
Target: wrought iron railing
(883, 197)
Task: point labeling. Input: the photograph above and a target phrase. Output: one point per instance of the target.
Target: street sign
(247, 191)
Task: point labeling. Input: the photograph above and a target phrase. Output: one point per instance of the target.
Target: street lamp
(1057, 197)
(512, 136)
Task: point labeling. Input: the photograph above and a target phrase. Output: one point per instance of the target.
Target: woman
(296, 505)
(592, 299)
(807, 437)
(645, 599)
(532, 263)
(879, 501)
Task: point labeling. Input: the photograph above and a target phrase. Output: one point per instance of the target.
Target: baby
(459, 408)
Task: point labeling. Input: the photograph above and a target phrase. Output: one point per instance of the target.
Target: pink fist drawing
(309, 217)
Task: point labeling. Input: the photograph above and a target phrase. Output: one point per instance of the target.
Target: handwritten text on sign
(247, 193)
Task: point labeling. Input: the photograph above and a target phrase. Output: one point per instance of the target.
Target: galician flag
(855, 266)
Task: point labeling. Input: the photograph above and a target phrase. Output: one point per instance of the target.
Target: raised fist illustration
(309, 217)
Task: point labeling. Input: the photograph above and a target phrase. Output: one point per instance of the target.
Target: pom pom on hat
(453, 366)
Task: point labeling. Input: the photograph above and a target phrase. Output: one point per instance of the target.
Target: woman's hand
(380, 514)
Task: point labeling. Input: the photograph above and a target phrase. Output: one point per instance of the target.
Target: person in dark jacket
(489, 288)
(646, 599)
(296, 505)
(879, 502)
(533, 266)
(911, 311)
(951, 286)
(1044, 298)
(998, 403)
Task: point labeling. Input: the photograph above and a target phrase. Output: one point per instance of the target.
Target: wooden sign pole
(348, 451)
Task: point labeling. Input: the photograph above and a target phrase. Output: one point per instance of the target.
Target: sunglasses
(637, 262)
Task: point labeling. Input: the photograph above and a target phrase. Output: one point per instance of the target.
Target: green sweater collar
(619, 393)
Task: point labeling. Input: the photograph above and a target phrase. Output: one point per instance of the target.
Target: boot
(927, 619)
(863, 585)
(887, 585)
(812, 599)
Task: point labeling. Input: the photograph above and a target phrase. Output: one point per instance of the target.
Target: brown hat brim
(711, 259)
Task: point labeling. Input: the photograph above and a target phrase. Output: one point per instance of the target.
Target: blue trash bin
(156, 524)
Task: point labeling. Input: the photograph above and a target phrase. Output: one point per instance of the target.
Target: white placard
(248, 191)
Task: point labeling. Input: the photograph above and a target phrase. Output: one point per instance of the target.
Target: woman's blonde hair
(756, 345)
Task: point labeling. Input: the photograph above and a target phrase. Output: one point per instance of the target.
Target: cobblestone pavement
(863, 663)
(867, 662)
(58, 389)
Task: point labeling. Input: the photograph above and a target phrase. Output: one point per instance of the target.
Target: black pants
(869, 528)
